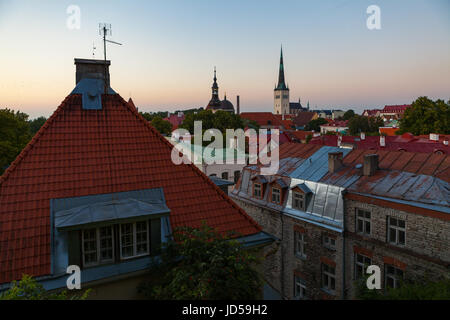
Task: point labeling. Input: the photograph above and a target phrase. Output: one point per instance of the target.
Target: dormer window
(300, 195)
(276, 195)
(298, 201)
(257, 190)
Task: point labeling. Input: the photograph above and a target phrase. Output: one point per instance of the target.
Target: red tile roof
(175, 120)
(262, 118)
(405, 142)
(81, 152)
(303, 118)
(300, 134)
(389, 131)
(395, 108)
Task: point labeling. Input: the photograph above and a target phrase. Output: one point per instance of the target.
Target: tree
(368, 125)
(421, 288)
(348, 115)
(36, 124)
(314, 125)
(163, 126)
(426, 116)
(14, 135)
(29, 289)
(201, 264)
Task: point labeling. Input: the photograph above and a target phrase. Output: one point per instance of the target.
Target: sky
(170, 49)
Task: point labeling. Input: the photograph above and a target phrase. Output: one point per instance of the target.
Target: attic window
(298, 201)
(276, 195)
(257, 190)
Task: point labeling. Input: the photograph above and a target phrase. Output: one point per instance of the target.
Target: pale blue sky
(171, 47)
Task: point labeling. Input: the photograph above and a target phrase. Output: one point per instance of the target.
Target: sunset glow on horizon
(171, 47)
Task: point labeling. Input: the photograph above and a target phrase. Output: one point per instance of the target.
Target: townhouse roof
(80, 152)
(262, 118)
(303, 118)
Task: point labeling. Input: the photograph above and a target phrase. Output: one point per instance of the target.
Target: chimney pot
(91, 69)
(238, 107)
(370, 165)
(335, 161)
(363, 136)
(382, 141)
(434, 137)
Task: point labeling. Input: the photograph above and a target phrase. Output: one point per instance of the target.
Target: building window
(328, 277)
(134, 239)
(276, 195)
(299, 288)
(225, 175)
(363, 219)
(393, 276)
(298, 201)
(257, 190)
(237, 175)
(396, 231)
(329, 242)
(299, 245)
(361, 264)
(97, 246)
(213, 175)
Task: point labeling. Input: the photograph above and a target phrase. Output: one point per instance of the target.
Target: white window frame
(367, 261)
(299, 244)
(326, 242)
(98, 247)
(301, 201)
(135, 255)
(364, 221)
(326, 278)
(397, 229)
(279, 195)
(395, 277)
(260, 190)
(299, 288)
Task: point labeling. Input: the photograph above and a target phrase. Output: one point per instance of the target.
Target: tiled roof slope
(84, 152)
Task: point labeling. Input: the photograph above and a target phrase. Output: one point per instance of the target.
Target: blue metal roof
(75, 212)
(316, 166)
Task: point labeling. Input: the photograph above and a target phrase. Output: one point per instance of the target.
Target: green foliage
(150, 116)
(29, 289)
(426, 116)
(201, 264)
(314, 125)
(308, 138)
(36, 124)
(418, 289)
(348, 115)
(163, 126)
(368, 125)
(14, 135)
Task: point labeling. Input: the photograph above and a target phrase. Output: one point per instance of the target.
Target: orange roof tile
(81, 152)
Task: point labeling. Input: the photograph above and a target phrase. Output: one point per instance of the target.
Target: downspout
(343, 246)
(282, 257)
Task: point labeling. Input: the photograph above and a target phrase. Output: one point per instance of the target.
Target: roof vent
(335, 161)
(446, 142)
(382, 141)
(370, 165)
(363, 136)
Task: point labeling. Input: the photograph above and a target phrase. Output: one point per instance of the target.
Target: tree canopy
(314, 125)
(348, 115)
(163, 126)
(14, 135)
(368, 125)
(201, 264)
(426, 116)
(36, 124)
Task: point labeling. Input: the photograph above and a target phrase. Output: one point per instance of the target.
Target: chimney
(445, 142)
(334, 161)
(91, 69)
(363, 136)
(238, 107)
(382, 141)
(434, 137)
(370, 165)
(339, 141)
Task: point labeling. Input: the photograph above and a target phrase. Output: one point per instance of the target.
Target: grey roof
(91, 91)
(280, 182)
(220, 182)
(72, 213)
(302, 187)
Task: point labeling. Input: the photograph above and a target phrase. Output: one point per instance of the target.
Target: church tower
(281, 92)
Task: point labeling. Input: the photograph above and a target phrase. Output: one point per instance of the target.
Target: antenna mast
(104, 30)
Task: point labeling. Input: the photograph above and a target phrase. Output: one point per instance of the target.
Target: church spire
(281, 83)
(215, 88)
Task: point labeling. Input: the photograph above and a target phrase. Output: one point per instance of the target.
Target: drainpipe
(283, 296)
(343, 247)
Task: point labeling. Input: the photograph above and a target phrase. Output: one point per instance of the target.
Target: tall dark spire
(281, 84)
(215, 101)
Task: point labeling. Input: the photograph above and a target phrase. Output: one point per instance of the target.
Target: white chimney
(446, 142)
(339, 141)
(434, 137)
(363, 136)
(382, 141)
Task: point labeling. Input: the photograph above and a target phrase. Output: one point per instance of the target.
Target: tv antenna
(93, 49)
(105, 30)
